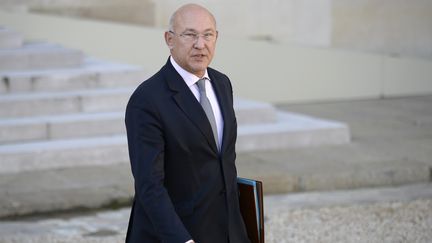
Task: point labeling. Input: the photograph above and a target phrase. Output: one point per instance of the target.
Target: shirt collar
(189, 78)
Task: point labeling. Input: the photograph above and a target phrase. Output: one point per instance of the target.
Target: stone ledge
(13, 130)
(91, 74)
(292, 130)
(47, 103)
(86, 187)
(96, 150)
(9, 39)
(38, 56)
(65, 189)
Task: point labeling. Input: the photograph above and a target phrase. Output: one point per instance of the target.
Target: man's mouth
(199, 55)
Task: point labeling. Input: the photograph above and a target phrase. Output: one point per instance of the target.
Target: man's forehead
(194, 19)
(195, 28)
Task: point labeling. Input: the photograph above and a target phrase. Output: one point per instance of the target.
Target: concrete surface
(391, 146)
(92, 73)
(88, 136)
(101, 145)
(58, 126)
(402, 214)
(47, 103)
(39, 55)
(9, 38)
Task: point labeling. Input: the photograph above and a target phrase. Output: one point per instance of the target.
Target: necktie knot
(201, 85)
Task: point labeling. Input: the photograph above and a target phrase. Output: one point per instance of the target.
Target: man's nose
(199, 42)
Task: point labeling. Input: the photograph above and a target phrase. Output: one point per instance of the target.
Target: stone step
(61, 127)
(14, 130)
(105, 100)
(105, 150)
(254, 112)
(63, 154)
(79, 187)
(92, 74)
(39, 56)
(48, 103)
(291, 130)
(9, 39)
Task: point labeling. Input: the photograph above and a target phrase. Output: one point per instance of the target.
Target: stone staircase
(60, 109)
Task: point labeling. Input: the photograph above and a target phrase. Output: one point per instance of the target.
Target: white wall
(396, 27)
(300, 21)
(393, 27)
(259, 70)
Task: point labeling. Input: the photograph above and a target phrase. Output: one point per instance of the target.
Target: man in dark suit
(182, 130)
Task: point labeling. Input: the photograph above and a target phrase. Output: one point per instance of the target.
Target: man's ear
(169, 40)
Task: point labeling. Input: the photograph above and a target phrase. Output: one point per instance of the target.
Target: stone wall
(309, 74)
(300, 21)
(139, 12)
(391, 27)
(394, 27)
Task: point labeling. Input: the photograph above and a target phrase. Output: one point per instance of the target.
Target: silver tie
(205, 103)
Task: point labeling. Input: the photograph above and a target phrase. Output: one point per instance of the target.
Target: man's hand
(190, 241)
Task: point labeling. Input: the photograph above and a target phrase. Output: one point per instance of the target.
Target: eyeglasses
(193, 36)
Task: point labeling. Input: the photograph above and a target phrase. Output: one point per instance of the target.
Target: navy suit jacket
(184, 187)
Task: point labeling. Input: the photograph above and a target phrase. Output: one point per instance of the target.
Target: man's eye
(208, 35)
(190, 35)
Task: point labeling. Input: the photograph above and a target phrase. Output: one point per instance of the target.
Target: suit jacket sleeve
(146, 151)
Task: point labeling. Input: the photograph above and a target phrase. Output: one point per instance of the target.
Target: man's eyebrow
(194, 30)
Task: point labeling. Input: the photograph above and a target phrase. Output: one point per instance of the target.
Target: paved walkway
(391, 146)
(402, 214)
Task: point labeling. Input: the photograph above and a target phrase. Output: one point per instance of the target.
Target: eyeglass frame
(195, 36)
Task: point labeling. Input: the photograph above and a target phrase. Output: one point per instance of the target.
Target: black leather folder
(252, 208)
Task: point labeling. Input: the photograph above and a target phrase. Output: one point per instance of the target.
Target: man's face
(192, 41)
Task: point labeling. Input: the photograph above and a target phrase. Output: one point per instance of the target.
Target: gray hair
(171, 21)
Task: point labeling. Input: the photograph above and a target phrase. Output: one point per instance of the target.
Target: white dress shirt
(190, 80)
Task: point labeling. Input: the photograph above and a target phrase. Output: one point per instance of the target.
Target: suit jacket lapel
(187, 102)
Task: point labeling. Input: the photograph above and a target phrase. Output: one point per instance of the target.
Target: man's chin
(199, 69)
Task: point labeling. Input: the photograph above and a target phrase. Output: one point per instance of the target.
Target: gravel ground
(382, 222)
(378, 222)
